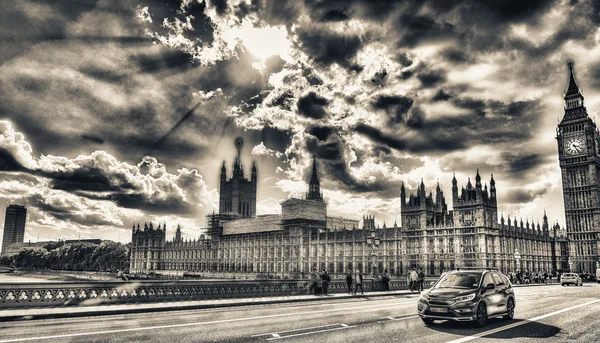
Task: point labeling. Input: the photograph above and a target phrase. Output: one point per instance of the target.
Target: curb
(175, 307)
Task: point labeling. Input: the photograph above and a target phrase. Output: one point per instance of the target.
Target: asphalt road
(543, 314)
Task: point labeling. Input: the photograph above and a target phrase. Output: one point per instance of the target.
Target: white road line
(313, 327)
(401, 318)
(313, 332)
(513, 325)
(404, 318)
(193, 324)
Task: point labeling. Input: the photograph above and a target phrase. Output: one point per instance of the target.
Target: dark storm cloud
(379, 77)
(431, 78)
(457, 56)
(441, 95)
(312, 106)
(594, 79)
(93, 138)
(488, 122)
(377, 136)
(332, 162)
(522, 196)
(8, 162)
(138, 201)
(326, 47)
(311, 77)
(171, 9)
(432, 143)
(325, 11)
(519, 164)
(396, 106)
(170, 60)
(284, 100)
(321, 132)
(414, 29)
(220, 6)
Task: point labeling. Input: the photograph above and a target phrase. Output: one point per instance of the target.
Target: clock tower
(579, 156)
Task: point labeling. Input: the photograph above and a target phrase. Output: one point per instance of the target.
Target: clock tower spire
(579, 156)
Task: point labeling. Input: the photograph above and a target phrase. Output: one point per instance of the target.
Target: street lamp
(373, 243)
(518, 259)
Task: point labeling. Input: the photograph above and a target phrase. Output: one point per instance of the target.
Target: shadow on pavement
(527, 329)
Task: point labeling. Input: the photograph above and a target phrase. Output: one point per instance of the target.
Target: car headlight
(465, 298)
(424, 297)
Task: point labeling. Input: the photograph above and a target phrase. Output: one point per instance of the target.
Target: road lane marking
(523, 322)
(312, 332)
(372, 307)
(400, 318)
(313, 327)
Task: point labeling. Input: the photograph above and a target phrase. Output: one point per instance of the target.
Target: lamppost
(518, 258)
(373, 243)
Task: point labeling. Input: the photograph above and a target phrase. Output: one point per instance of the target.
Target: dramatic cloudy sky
(119, 111)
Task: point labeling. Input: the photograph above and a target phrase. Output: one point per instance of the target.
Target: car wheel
(510, 310)
(481, 315)
(428, 321)
(562, 284)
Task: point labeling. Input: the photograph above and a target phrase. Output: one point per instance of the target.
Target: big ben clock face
(574, 145)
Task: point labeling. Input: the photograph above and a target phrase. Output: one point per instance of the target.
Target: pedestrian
(385, 278)
(546, 277)
(326, 280)
(349, 281)
(421, 279)
(358, 279)
(313, 282)
(414, 278)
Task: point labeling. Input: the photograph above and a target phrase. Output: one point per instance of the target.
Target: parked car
(472, 295)
(571, 279)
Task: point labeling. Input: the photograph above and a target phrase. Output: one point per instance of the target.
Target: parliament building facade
(304, 236)
(430, 236)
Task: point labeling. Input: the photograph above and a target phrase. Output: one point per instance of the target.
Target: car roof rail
(477, 268)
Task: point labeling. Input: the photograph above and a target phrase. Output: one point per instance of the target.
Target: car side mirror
(490, 286)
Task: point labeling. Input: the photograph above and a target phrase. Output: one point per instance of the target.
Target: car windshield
(465, 280)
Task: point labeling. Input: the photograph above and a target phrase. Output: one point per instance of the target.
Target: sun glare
(263, 42)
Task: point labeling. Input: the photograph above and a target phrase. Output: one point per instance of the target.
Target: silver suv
(468, 295)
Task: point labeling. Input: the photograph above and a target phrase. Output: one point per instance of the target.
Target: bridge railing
(19, 295)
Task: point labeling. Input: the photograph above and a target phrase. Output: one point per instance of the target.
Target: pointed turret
(178, 234)
(314, 187)
(478, 180)
(573, 95)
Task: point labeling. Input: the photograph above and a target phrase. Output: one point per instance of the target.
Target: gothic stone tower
(314, 187)
(238, 195)
(579, 156)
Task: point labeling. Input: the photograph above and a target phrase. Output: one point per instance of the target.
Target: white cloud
(261, 149)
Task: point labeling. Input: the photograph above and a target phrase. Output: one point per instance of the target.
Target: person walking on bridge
(312, 289)
(349, 281)
(358, 279)
(326, 280)
(414, 278)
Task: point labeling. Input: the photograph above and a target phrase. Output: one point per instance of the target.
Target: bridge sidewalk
(85, 311)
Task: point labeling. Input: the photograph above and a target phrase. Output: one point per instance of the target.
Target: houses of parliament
(430, 235)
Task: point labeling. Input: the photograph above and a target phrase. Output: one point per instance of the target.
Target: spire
(314, 187)
(573, 87)
(573, 96)
(478, 179)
